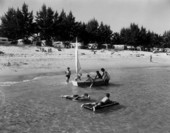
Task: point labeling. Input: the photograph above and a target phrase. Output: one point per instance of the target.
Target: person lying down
(85, 96)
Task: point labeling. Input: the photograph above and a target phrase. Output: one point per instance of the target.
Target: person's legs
(67, 78)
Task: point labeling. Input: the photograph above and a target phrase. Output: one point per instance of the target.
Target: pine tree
(17, 24)
(56, 26)
(166, 39)
(92, 30)
(81, 33)
(116, 39)
(45, 22)
(70, 26)
(27, 22)
(9, 24)
(104, 34)
(62, 26)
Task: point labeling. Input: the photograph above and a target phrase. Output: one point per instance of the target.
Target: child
(89, 78)
(98, 75)
(78, 78)
(68, 74)
(85, 96)
(76, 97)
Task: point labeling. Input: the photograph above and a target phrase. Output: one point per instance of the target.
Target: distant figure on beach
(59, 48)
(68, 74)
(150, 58)
(49, 50)
(98, 75)
(105, 76)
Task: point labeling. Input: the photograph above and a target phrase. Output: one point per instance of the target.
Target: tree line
(50, 25)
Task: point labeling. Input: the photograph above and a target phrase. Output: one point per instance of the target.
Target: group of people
(86, 96)
(105, 76)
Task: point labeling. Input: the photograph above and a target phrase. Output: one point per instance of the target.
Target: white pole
(77, 63)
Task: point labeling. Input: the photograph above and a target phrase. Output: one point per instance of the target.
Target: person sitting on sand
(105, 76)
(98, 75)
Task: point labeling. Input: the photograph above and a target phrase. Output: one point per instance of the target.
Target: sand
(28, 60)
(32, 82)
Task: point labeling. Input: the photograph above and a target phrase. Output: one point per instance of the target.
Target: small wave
(37, 78)
(40, 77)
(25, 80)
(7, 83)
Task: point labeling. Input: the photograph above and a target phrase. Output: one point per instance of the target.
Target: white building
(119, 47)
(58, 44)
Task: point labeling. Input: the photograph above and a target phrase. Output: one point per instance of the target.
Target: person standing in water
(105, 76)
(68, 74)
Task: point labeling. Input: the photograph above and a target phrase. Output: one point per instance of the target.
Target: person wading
(68, 74)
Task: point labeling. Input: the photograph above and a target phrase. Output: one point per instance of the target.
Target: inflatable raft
(94, 107)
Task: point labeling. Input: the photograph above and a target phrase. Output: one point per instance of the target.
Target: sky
(154, 15)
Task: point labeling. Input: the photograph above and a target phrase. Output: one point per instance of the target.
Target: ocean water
(36, 106)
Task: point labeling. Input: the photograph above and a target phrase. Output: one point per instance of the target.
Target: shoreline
(26, 63)
(19, 77)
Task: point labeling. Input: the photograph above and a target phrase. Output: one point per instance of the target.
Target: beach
(28, 60)
(32, 81)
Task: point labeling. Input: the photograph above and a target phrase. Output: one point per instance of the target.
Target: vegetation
(18, 23)
(50, 25)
